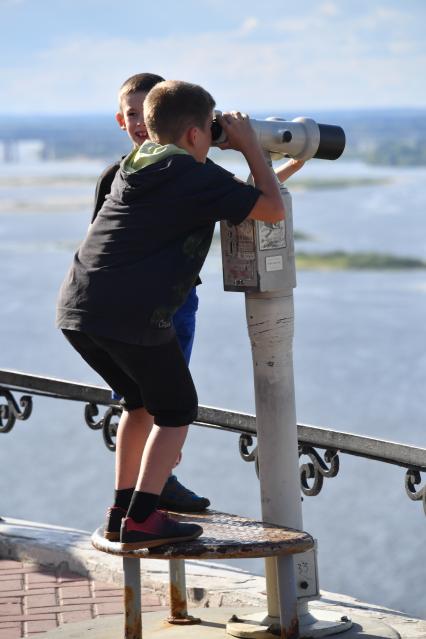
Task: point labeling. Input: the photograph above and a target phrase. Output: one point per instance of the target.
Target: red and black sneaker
(113, 523)
(156, 530)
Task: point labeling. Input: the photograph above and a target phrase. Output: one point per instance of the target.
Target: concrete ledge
(209, 585)
(52, 546)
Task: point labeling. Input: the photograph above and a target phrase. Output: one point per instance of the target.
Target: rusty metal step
(225, 536)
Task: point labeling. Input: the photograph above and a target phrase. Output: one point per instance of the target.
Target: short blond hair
(139, 82)
(172, 106)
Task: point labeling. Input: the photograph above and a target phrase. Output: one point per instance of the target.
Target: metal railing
(313, 471)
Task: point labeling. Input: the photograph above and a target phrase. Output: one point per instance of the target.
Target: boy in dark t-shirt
(174, 496)
(149, 242)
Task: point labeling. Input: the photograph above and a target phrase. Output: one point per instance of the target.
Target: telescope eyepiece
(332, 142)
(217, 132)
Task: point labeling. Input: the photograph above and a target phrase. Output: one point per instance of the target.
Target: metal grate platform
(225, 536)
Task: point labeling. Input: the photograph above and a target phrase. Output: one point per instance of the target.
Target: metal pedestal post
(270, 319)
(132, 598)
(178, 603)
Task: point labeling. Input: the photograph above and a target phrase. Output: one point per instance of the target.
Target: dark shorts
(184, 325)
(154, 377)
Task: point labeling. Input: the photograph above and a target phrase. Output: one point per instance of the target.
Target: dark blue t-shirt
(148, 244)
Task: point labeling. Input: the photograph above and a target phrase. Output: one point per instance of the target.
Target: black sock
(142, 505)
(123, 498)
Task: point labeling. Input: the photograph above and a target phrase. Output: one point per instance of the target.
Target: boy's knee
(130, 404)
(176, 418)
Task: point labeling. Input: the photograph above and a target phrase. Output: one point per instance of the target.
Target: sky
(71, 56)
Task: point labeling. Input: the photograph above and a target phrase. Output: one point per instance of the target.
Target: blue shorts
(184, 323)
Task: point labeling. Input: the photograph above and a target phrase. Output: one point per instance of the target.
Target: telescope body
(301, 138)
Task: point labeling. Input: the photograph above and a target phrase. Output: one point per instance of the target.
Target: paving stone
(73, 583)
(5, 564)
(10, 608)
(76, 615)
(10, 585)
(39, 577)
(10, 624)
(10, 633)
(99, 585)
(5, 598)
(74, 591)
(33, 627)
(111, 608)
(31, 617)
(40, 601)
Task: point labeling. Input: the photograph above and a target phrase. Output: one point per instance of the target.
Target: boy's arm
(287, 169)
(241, 137)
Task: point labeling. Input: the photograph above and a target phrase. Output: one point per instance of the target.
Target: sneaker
(113, 522)
(156, 530)
(179, 499)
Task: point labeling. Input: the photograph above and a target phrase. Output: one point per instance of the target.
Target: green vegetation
(301, 236)
(340, 260)
(398, 154)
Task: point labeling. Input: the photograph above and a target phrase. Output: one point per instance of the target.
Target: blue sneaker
(177, 498)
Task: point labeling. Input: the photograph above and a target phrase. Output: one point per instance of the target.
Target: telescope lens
(332, 142)
(216, 130)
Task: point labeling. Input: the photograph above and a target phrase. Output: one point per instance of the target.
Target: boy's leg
(168, 393)
(175, 496)
(132, 433)
(162, 447)
(157, 377)
(133, 429)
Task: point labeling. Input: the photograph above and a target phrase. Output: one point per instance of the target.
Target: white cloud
(249, 25)
(329, 9)
(383, 17)
(279, 72)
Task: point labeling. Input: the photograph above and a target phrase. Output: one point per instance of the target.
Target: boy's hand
(297, 164)
(286, 170)
(239, 132)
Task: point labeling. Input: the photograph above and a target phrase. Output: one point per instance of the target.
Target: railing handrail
(404, 455)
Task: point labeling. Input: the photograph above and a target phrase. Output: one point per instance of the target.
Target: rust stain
(177, 602)
(189, 620)
(178, 608)
(292, 632)
(133, 622)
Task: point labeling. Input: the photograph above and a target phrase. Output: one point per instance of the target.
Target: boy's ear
(192, 135)
(120, 119)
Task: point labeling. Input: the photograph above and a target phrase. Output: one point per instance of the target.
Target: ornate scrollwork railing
(321, 446)
(317, 469)
(412, 479)
(11, 410)
(108, 422)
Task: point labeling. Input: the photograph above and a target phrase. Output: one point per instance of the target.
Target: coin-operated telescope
(258, 259)
(257, 256)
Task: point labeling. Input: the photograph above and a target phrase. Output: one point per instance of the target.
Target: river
(359, 358)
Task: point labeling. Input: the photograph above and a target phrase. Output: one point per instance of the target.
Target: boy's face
(131, 119)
